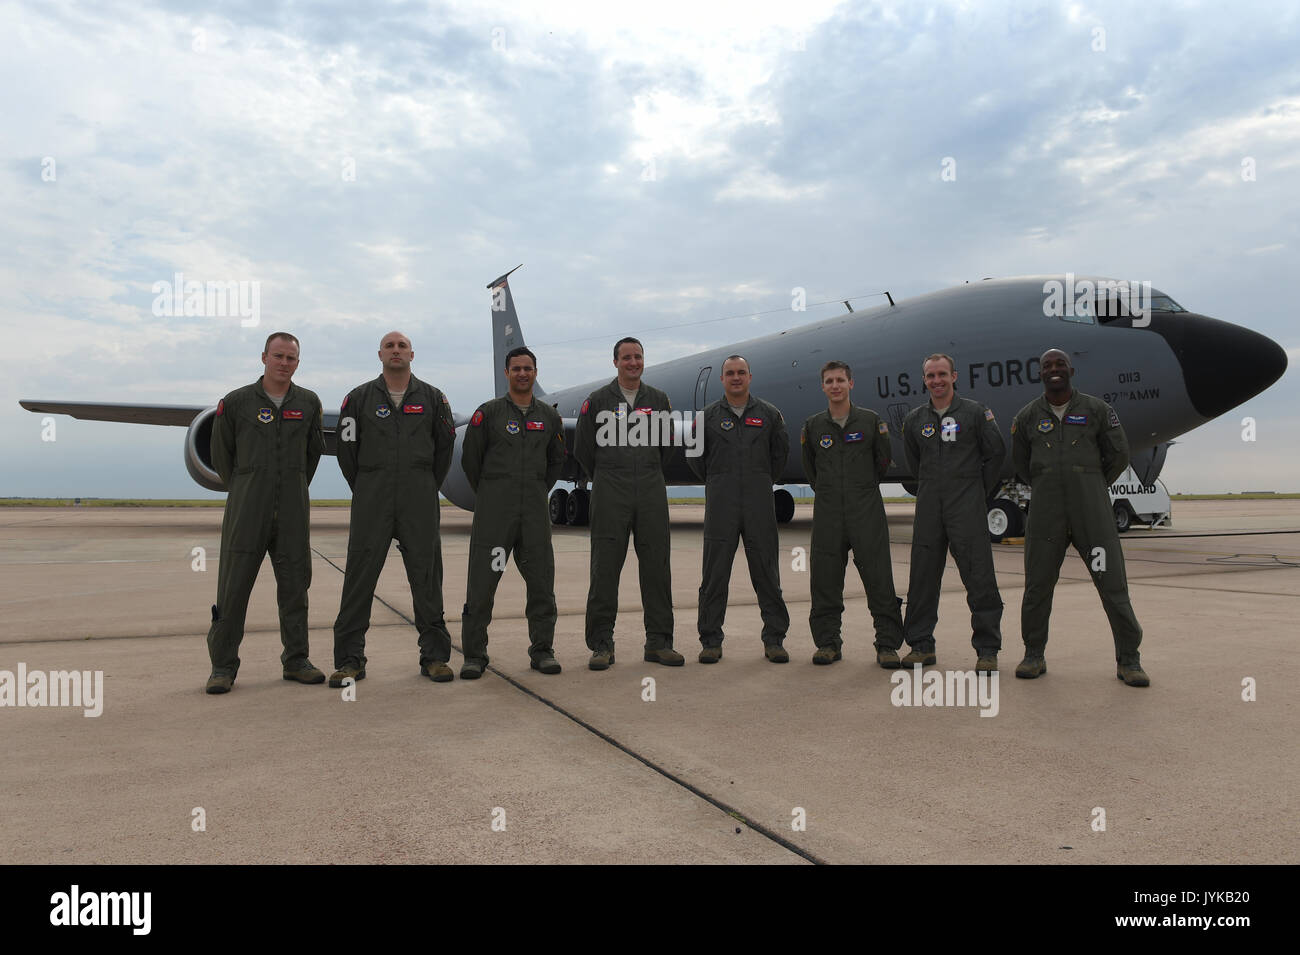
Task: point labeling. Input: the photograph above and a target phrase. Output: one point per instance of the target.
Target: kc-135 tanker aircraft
(1164, 369)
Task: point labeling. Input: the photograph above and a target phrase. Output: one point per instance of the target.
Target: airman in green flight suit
(266, 443)
(1069, 448)
(628, 496)
(956, 451)
(395, 440)
(512, 456)
(744, 450)
(845, 455)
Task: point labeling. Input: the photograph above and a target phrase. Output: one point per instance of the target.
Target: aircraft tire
(783, 501)
(559, 506)
(1005, 520)
(578, 507)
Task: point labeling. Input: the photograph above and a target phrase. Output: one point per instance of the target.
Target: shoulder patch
(1013, 427)
(345, 402)
(221, 407)
(585, 405)
(988, 414)
(884, 428)
(1114, 419)
(478, 417)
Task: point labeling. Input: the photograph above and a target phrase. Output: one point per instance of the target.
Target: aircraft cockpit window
(1082, 312)
(1160, 302)
(1115, 304)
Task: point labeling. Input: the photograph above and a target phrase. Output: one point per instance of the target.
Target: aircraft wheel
(578, 507)
(1005, 520)
(783, 500)
(559, 506)
(1123, 519)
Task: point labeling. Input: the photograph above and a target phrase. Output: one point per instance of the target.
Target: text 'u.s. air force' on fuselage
(1165, 370)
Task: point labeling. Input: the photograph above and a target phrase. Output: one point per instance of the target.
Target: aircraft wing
(180, 416)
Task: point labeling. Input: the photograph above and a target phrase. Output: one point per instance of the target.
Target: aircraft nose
(1223, 364)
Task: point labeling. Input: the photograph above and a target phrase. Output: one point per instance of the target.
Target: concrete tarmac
(743, 761)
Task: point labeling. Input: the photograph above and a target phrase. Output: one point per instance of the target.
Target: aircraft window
(1081, 313)
(1163, 303)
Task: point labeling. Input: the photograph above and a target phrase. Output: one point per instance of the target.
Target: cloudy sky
(373, 165)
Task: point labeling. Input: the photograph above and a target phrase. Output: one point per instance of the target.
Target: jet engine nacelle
(456, 488)
(198, 451)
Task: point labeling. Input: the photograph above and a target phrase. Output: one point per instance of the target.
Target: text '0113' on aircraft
(1164, 369)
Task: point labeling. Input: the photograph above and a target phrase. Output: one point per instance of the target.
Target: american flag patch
(988, 414)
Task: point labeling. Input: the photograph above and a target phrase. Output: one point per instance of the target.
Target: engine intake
(198, 452)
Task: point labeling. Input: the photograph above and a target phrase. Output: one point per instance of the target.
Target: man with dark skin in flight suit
(845, 455)
(1069, 448)
(956, 451)
(512, 455)
(266, 443)
(395, 440)
(628, 497)
(745, 446)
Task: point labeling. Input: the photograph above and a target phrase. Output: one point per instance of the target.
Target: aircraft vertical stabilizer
(506, 333)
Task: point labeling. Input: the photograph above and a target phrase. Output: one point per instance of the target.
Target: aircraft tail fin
(506, 333)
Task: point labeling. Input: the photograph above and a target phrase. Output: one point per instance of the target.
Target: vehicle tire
(783, 501)
(559, 506)
(579, 507)
(1005, 520)
(1123, 517)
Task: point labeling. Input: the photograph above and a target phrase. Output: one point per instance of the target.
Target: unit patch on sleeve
(585, 405)
(477, 419)
(1114, 419)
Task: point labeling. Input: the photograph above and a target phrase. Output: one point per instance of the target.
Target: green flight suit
(266, 457)
(1069, 463)
(844, 466)
(511, 460)
(742, 457)
(397, 459)
(628, 497)
(957, 458)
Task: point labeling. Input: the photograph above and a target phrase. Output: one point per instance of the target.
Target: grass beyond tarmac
(220, 502)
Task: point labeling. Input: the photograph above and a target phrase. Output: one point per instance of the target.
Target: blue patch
(512, 427)
(928, 431)
(383, 411)
(265, 415)
(853, 436)
(826, 441)
(1046, 425)
(726, 424)
(1076, 419)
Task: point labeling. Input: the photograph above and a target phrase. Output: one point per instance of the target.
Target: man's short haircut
(952, 365)
(624, 341)
(516, 352)
(266, 349)
(834, 365)
(736, 358)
